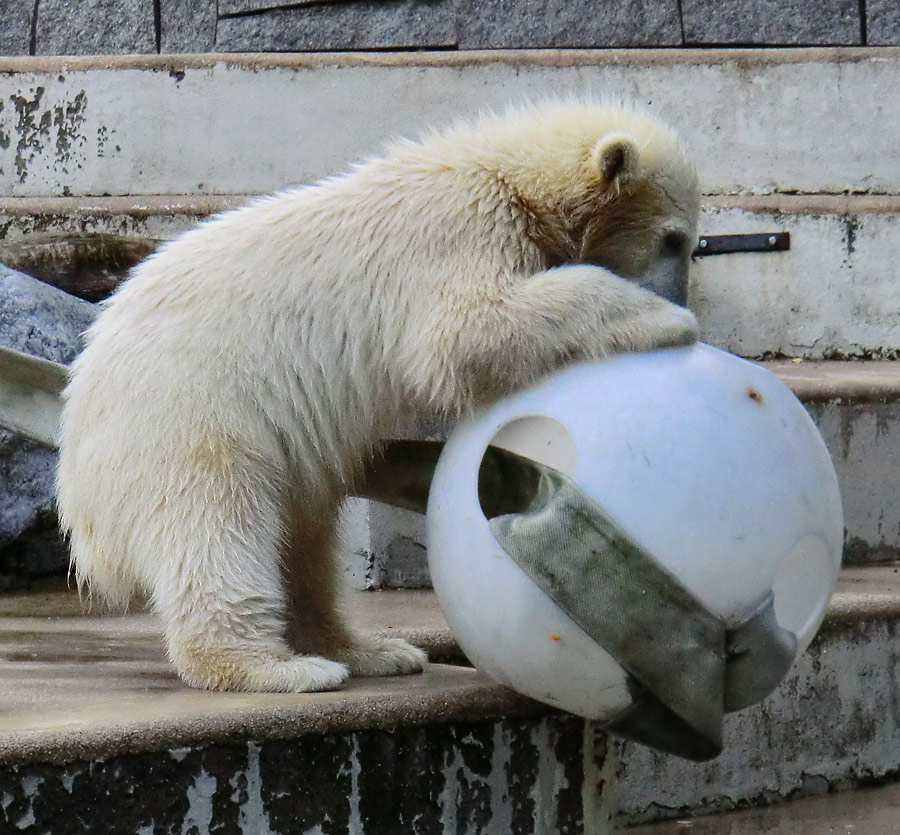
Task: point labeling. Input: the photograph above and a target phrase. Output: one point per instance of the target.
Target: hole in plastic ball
(802, 588)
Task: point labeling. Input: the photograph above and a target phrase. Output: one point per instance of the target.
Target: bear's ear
(617, 158)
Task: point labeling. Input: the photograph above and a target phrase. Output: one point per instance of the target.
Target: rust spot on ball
(754, 395)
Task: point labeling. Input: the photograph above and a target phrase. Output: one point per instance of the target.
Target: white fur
(236, 383)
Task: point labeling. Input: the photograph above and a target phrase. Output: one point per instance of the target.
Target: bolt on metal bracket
(728, 244)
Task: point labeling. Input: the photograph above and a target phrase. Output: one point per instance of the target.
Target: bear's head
(605, 185)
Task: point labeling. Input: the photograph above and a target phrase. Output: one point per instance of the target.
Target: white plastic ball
(706, 460)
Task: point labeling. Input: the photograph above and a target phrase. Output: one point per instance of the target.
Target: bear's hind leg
(217, 586)
(315, 623)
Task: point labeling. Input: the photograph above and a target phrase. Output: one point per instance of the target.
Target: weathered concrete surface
(861, 812)
(833, 294)
(518, 24)
(537, 777)
(78, 689)
(864, 441)
(802, 22)
(304, 118)
(94, 27)
(373, 24)
(94, 724)
(833, 723)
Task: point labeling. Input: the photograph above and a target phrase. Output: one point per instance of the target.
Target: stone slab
(346, 25)
(15, 29)
(65, 130)
(94, 27)
(883, 26)
(776, 22)
(525, 24)
(187, 26)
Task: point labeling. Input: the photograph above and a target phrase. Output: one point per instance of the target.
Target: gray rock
(15, 27)
(95, 27)
(802, 22)
(341, 26)
(41, 320)
(187, 25)
(511, 24)
(233, 7)
(883, 22)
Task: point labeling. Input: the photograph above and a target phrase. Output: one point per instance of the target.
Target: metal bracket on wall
(727, 244)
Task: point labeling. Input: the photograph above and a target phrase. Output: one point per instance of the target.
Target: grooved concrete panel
(802, 22)
(521, 24)
(187, 25)
(834, 293)
(341, 26)
(864, 441)
(91, 27)
(15, 27)
(883, 22)
(254, 125)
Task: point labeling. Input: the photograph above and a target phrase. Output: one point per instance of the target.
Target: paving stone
(341, 26)
(559, 23)
(95, 27)
(15, 29)
(883, 22)
(806, 22)
(41, 320)
(187, 25)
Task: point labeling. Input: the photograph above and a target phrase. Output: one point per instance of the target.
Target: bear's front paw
(666, 326)
(379, 656)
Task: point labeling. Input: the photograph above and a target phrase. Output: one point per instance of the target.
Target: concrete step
(233, 124)
(97, 735)
(831, 295)
(83, 695)
(833, 724)
(863, 812)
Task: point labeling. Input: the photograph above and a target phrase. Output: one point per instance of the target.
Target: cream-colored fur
(236, 383)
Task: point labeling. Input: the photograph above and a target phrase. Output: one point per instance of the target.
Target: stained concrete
(98, 735)
(64, 129)
(78, 690)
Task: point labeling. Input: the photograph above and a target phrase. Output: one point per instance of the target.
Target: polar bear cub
(241, 379)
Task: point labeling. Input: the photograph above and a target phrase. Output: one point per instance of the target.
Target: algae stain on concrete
(39, 129)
